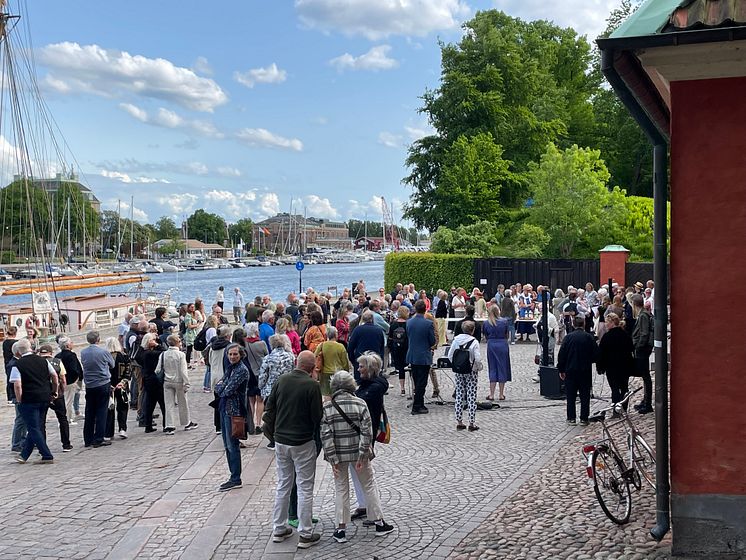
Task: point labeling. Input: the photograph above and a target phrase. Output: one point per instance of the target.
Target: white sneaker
(72, 422)
(107, 439)
(122, 434)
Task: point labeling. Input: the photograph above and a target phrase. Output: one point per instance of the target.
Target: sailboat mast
(69, 251)
(119, 228)
(132, 228)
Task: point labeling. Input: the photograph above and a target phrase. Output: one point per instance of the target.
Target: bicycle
(611, 476)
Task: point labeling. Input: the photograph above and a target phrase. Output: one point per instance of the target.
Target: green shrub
(7, 257)
(429, 271)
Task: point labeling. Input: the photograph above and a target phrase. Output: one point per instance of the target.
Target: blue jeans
(76, 403)
(96, 408)
(33, 414)
(511, 330)
(232, 450)
(19, 431)
(206, 381)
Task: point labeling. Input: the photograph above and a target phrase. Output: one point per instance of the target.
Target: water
(277, 281)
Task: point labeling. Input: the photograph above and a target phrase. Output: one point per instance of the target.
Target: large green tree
(241, 230)
(165, 228)
(572, 203)
(524, 83)
(207, 227)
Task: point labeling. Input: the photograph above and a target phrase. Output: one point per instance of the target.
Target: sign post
(299, 267)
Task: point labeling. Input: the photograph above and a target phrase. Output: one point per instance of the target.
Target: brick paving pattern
(446, 492)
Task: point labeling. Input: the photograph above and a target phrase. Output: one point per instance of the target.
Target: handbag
(160, 373)
(320, 359)
(384, 432)
(238, 427)
(112, 402)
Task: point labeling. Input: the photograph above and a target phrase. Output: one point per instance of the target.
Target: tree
(206, 227)
(172, 247)
(572, 203)
(473, 174)
(483, 239)
(165, 228)
(241, 230)
(525, 84)
(112, 226)
(358, 228)
(624, 146)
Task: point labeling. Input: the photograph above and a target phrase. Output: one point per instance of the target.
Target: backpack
(399, 337)
(461, 359)
(200, 342)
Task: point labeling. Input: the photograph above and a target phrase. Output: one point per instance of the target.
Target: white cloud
(269, 204)
(202, 66)
(166, 118)
(179, 203)
(373, 209)
(375, 59)
(587, 17)
(390, 140)
(227, 171)
(125, 178)
(261, 137)
(112, 73)
(417, 132)
(376, 19)
(138, 113)
(269, 75)
(137, 213)
(321, 121)
(320, 207)
(131, 166)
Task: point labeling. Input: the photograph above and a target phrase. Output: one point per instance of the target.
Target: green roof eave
(649, 19)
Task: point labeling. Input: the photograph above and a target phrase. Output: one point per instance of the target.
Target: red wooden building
(680, 68)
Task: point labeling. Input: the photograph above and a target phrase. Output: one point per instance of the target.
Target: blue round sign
(299, 265)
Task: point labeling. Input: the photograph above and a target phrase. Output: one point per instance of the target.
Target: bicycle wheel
(610, 485)
(644, 460)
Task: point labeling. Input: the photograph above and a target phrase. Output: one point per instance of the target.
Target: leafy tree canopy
(165, 228)
(241, 230)
(207, 227)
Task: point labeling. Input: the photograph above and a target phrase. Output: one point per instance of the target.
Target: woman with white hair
(256, 351)
(347, 436)
(119, 384)
(175, 386)
(278, 362)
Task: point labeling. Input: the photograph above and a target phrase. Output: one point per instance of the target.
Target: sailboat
(34, 210)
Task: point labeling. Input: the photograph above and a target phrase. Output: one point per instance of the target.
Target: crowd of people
(308, 374)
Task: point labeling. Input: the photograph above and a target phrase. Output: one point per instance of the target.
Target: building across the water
(54, 184)
(287, 233)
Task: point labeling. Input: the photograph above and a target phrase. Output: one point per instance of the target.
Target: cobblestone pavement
(154, 496)
(555, 514)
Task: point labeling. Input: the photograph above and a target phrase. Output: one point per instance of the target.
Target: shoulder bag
(238, 427)
(346, 418)
(384, 432)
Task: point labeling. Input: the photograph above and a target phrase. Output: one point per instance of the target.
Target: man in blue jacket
(421, 335)
(367, 337)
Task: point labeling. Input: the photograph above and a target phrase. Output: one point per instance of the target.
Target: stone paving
(448, 493)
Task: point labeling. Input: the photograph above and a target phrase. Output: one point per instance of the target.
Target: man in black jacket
(367, 337)
(73, 374)
(576, 357)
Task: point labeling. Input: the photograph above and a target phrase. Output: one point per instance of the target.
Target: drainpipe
(660, 275)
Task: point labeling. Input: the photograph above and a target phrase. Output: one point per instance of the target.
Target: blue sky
(241, 107)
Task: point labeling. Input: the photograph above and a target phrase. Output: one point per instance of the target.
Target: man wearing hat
(638, 287)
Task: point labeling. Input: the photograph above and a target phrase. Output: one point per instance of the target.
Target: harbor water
(277, 281)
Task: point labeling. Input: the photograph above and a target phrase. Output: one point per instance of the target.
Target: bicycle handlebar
(620, 403)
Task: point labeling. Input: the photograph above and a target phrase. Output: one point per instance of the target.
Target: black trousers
(420, 375)
(58, 406)
(153, 396)
(122, 408)
(619, 385)
(642, 365)
(577, 384)
(96, 405)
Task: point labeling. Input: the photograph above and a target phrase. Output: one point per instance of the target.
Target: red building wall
(614, 266)
(708, 276)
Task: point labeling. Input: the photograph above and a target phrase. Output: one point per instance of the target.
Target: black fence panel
(638, 272)
(555, 273)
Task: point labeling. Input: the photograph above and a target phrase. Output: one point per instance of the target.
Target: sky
(247, 108)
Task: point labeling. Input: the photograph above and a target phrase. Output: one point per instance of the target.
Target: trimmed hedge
(429, 271)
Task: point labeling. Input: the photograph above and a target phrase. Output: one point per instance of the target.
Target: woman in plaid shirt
(346, 435)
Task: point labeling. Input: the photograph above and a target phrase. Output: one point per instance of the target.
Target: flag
(266, 231)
